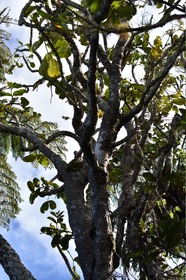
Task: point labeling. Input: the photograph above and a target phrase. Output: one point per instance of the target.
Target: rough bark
(103, 242)
(11, 262)
(80, 219)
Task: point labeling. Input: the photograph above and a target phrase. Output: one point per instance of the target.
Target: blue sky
(39, 259)
(24, 235)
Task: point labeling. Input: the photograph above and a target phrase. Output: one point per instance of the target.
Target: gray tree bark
(11, 262)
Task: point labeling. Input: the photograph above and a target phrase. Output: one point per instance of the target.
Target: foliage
(124, 193)
(9, 189)
(15, 109)
(9, 193)
(5, 55)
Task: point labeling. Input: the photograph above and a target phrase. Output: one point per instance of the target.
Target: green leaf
(36, 182)
(86, 3)
(63, 48)
(55, 240)
(16, 55)
(52, 204)
(19, 92)
(36, 45)
(47, 230)
(49, 67)
(30, 158)
(43, 160)
(179, 101)
(83, 39)
(159, 5)
(13, 85)
(76, 259)
(156, 52)
(44, 207)
(43, 229)
(32, 197)
(149, 176)
(30, 186)
(65, 241)
(116, 4)
(145, 40)
(95, 6)
(158, 41)
(29, 10)
(125, 12)
(32, 64)
(52, 219)
(43, 67)
(53, 68)
(3, 93)
(24, 102)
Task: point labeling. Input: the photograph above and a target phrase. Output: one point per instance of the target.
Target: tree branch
(36, 141)
(107, 132)
(103, 10)
(173, 6)
(91, 119)
(11, 262)
(51, 192)
(75, 277)
(61, 133)
(153, 86)
(52, 138)
(76, 6)
(104, 59)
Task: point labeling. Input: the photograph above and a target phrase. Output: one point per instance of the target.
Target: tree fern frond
(4, 143)
(9, 193)
(31, 120)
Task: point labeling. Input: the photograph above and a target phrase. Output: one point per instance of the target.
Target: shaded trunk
(11, 262)
(103, 241)
(80, 219)
(90, 224)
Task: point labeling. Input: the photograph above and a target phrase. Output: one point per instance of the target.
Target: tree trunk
(11, 262)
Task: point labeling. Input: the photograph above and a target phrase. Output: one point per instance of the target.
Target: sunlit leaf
(43, 160)
(158, 41)
(95, 6)
(63, 48)
(49, 67)
(53, 68)
(179, 101)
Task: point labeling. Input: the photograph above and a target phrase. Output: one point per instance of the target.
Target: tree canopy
(120, 66)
